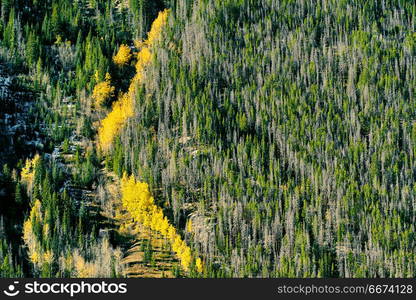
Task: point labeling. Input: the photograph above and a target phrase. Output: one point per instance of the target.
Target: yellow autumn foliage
(28, 172)
(157, 27)
(29, 238)
(115, 120)
(103, 91)
(123, 109)
(189, 226)
(138, 44)
(123, 56)
(198, 265)
(48, 256)
(144, 57)
(137, 199)
(83, 269)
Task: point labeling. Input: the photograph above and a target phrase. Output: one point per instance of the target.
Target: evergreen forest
(207, 138)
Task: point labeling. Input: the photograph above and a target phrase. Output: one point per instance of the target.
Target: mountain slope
(259, 138)
(284, 131)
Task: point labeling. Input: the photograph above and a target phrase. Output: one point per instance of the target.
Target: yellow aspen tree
(157, 26)
(83, 269)
(138, 44)
(144, 57)
(199, 265)
(164, 227)
(27, 174)
(189, 226)
(171, 232)
(29, 238)
(123, 56)
(103, 91)
(48, 256)
(122, 110)
(186, 258)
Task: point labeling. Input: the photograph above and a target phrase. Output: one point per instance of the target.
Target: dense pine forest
(207, 138)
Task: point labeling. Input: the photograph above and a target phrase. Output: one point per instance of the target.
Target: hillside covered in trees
(205, 138)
